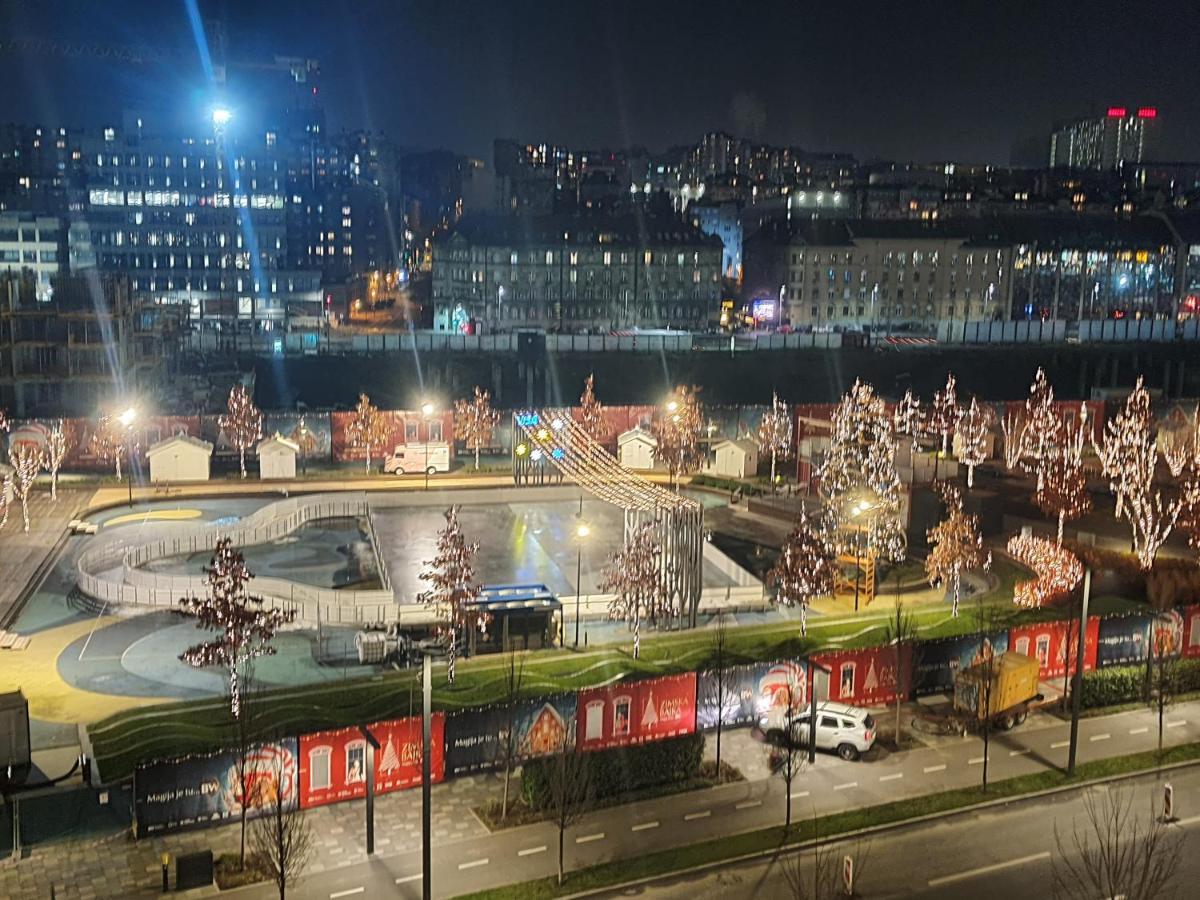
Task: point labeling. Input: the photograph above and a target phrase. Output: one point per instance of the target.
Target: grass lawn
(175, 729)
(766, 839)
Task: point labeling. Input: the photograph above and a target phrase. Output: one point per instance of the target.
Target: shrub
(622, 769)
(1127, 684)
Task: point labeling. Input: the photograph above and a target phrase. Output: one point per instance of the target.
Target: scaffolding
(548, 444)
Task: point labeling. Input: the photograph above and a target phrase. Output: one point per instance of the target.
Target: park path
(23, 555)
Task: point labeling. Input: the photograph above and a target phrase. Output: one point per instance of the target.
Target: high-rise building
(1122, 135)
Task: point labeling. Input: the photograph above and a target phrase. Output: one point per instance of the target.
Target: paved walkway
(21, 554)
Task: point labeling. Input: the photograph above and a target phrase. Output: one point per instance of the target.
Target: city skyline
(880, 83)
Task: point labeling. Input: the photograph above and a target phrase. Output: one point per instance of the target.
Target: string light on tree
(1013, 429)
(805, 570)
(244, 625)
(956, 546)
(1058, 570)
(1062, 487)
(1044, 425)
(53, 455)
(677, 431)
(109, 441)
(453, 594)
(944, 412)
(369, 428)
(1126, 453)
(775, 433)
(974, 427)
(242, 425)
(908, 418)
(634, 577)
(26, 461)
(591, 413)
(474, 422)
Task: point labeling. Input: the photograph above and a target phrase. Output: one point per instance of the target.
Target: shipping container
(1014, 684)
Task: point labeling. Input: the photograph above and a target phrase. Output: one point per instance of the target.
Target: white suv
(848, 730)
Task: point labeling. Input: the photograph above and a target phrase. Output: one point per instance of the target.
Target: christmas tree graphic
(650, 716)
(391, 759)
(871, 682)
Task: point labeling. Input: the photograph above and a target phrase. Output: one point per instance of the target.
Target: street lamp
(499, 300)
(127, 418)
(581, 532)
(221, 116)
(426, 412)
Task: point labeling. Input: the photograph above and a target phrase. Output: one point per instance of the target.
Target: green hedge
(1127, 684)
(622, 769)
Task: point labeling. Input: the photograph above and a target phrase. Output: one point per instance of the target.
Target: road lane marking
(1100, 737)
(1176, 724)
(799, 795)
(984, 870)
(748, 804)
(1057, 744)
(940, 768)
(846, 786)
(697, 815)
(1141, 730)
(409, 878)
(1019, 752)
(588, 838)
(645, 826)
(891, 777)
(529, 851)
(347, 893)
(975, 760)
(473, 863)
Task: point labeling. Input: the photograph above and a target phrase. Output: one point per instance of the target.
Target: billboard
(865, 677)
(333, 764)
(311, 434)
(636, 712)
(475, 738)
(206, 790)
(1048, 643)
(403, 427)
(1191, 630)
(744, 694)
(938, 662)
(1123, 640)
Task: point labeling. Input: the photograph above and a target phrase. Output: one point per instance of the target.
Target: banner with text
(636, 712)
(476, 738)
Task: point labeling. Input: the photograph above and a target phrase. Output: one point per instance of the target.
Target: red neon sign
(1117, 112)
(1147, 112)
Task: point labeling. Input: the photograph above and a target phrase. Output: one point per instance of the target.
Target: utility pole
(1077, 681)
(426, 778)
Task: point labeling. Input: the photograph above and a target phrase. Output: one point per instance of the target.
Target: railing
(97, 569)
(380, 563)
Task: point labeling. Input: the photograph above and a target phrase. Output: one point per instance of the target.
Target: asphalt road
(830, 785)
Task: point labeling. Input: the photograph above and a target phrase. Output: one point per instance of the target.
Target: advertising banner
(636, 712)
(475, 739)
(1168, 633)
(206, 790)
(865, 677)
(333, 764)
(744, 694)
(404, 427)
(938, 662)
(1191, 630)
(1123, 640)
(81, 455)
(310, 432)
(1048, 643)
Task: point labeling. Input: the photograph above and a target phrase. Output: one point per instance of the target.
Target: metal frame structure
(551, 441)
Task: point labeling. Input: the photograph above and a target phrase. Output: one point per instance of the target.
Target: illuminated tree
(634, 577)
(54, 454)
(368, 429)
(973, 430)
(474, 421)
(1189, 504)
(306, 442)
(1013, 428)
(775, 433)
(1178, 449)
(1126, 453)
(1152, 519)
(453, 592)
(944, 412)
(245, 627)
(861, 461)
(1044, 426)
(26, 460)
(591, 413)
(908, 418)
(1062, 487)
(109, 441)
(805, 570)
(677, 432)
(6, 491)
(242, 425)
(955, 545)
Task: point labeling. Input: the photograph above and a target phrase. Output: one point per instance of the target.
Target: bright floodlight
(583, 531)
(221, 116)
(127, 418)
(427, 409)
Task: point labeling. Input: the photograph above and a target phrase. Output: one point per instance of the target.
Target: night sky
(955, 80)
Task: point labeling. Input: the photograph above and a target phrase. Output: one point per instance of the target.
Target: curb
(876, 829)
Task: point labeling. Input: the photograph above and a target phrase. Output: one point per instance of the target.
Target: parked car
(847, 730)
(409, 459)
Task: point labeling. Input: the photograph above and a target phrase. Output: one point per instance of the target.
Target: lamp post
(581, 533)
(127, 420)
(855, 511)
(426, 412)
(499, 300)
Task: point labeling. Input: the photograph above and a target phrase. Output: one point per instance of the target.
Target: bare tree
(453, 591)
(369, 428)
(1116, 853)
(987, 622)
(514, 675)
(568, 787)
(591, 412)
(788, 756)
(1164, 674)
(634, 576)
(110, 441)
(474, 421)
(54, 454)
(817, 874)
(26, 461)
(246, 731)
(718, 662)
(901, 635)
(282, 838)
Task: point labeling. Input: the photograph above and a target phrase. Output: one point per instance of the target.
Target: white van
(848, 730)
(412, 459)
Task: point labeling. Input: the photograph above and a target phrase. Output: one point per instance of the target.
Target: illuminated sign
(1116, 112)
(1147, 112)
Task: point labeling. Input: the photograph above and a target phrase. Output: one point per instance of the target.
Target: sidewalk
(21, 554)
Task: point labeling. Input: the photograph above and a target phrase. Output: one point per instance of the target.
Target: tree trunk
(242, 460)
(561, 834)
(476, 457)
(368, 459)
(450, 654)
(118, 467)
(720, 713)
(772, 469)
(970, 476)
(54, 484)
(1062, 517)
